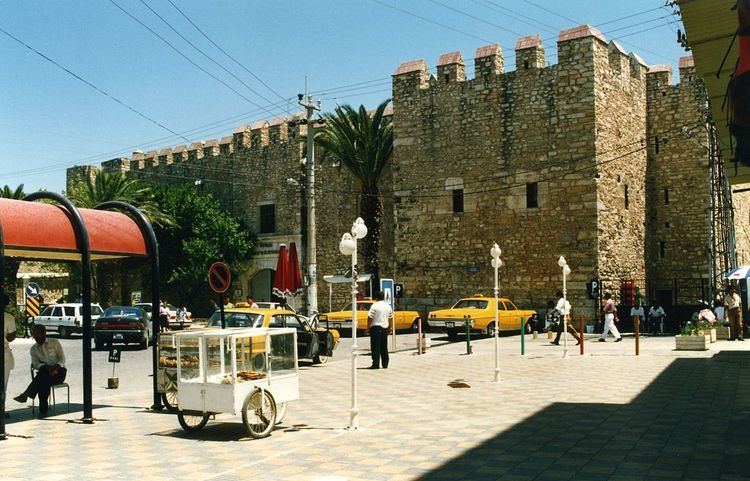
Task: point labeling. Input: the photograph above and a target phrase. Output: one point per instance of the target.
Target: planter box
(712, 333)
(722, 333)
(692, 343)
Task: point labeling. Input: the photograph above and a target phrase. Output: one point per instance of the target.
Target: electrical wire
(101, 91)
(225, 52)
(199, 50)
(189, 60)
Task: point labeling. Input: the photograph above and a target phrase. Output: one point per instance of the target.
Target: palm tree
(363, 142)
(110, 186)
(8, 193)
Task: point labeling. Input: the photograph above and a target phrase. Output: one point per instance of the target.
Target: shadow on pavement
(691, 423)
(230, 428)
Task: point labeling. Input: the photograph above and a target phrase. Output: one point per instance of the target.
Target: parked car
(267, 305)
(315, 344)
(482, 313)
(123, 325)
(343, 319)
(174, 323)
(66, 319)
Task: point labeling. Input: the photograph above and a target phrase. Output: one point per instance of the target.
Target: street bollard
(523, 337)
(636, 328)
(468, 334)
(582, 332)
(419, 336)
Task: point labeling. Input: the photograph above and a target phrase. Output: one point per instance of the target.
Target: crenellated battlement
(579, 50)
(660, 79)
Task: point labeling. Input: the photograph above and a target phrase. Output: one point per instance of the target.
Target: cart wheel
(192, 421)
(169, 400)
(259, 414)
(280, 412)
(320, 359)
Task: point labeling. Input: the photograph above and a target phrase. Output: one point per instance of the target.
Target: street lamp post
(565, 271)
(496, 263)
(348, 247)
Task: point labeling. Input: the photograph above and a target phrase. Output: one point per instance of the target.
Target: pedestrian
(48, 359)
(732, 305)
(163, 316)
(212, 305)
(251, 302)
(610, 318)
(562, 309)
(9, 335)
(380, 323)
(656, 317)
(227, 303)
(637, 314)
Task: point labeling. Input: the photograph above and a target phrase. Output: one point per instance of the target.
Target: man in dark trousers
(562, 309)
(379, 322)
(48, 359)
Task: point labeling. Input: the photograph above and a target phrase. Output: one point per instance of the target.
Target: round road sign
(219, 277)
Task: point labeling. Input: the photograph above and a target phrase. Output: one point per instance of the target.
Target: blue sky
(50, 120)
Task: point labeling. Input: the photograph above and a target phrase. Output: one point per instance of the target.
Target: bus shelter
(58, 231)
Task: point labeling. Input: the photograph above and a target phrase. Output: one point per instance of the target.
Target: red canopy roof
(43, 231)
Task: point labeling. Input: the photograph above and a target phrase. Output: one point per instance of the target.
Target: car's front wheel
(491, 329)
(320, 359)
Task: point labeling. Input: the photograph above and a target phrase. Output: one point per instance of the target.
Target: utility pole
(312, 269)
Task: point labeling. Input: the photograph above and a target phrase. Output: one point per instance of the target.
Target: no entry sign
(219, 277)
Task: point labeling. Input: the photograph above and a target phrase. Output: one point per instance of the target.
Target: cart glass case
(217, 369)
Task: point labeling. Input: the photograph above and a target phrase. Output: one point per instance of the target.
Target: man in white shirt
(562, 309)
(733, 304)
(610, 317)
(48, 359)
(379, 322)
(9, 335)
(656, 315)
(637, 314)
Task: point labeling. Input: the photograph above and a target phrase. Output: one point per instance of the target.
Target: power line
(198, 49)
(103, 92)
(425, 19)
(185, 56)
(225, 52)
(474, 17)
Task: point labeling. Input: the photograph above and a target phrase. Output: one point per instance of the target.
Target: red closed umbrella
(280, 281)
(295, 275)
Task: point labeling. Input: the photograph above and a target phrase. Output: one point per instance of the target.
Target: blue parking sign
(389, 293)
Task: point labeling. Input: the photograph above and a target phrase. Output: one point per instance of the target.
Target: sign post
(114, 358)
(219, 278)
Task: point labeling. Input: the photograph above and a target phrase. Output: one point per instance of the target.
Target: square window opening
(267, 219)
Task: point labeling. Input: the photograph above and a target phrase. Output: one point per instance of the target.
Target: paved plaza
(664, 415)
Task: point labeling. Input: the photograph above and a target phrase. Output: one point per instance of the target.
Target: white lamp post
(496, 264)
(565, 271)
(348, 247)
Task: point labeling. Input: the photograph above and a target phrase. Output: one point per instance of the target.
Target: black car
(123, 325)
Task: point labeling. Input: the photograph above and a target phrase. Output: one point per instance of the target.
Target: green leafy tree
(11, 265)
(202, 233)
(116, 186)
(362, 142)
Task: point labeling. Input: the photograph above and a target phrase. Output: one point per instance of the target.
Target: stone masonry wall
(678, 195)
(741, 203)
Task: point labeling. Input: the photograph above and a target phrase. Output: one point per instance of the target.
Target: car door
(43, 319)
(307, 340)
(68, 316)
(56, 318)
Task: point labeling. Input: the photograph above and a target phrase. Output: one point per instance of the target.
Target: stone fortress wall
(546, 160)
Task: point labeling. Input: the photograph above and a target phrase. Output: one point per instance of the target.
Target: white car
(66, 319)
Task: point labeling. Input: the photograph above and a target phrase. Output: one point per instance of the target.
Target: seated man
(48, 359)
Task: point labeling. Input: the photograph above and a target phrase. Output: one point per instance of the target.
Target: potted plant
(695, 336)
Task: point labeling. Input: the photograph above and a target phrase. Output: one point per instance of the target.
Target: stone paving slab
(605, 415)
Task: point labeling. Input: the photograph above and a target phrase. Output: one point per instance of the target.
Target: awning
(742, 272)
(43, 231)
(339, 279)
(710, 26)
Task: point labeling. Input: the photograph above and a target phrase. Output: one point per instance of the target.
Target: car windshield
(470, 304)
(361, 306)
(119, 311)
(236, 319)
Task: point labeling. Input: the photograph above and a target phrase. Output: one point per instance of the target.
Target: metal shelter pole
(149, 237)
(82, 237)
(3, 434)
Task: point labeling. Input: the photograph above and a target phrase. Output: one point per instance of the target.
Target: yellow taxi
(481, 313)
(316, 344)
(343, 319)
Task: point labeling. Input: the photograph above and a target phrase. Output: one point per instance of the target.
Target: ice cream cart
(251, 371)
